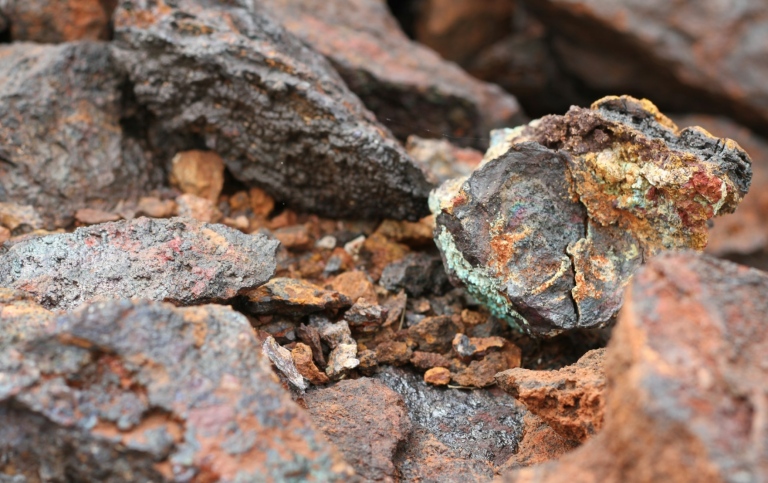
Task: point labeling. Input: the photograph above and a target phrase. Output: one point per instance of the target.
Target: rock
(89, 216)
(429, 360)
(302, 359)
(571, 400)
(355, 284)
(176, 260)
(21, 318)
(414, 234)
(365, 316)
(288, 296)
(200, 209)
(540, 444)
(434, 334)
(199, 173)
(54, 21)
(71, 95)
(405, 84)
(476, 346)
(261, 203)
(20, 219)
(441, 160)
(368, 362)
(362, 410)
(417, 273)
(142, 391)
(156, 208)
(294, 237)
(318, 148)
(342, 359)
(481, 373)
(283, 361)
(437, 376)
(684, 380)
(311, 337)
(5, 234)
(394, 352)
(377, 252)
(622, 184)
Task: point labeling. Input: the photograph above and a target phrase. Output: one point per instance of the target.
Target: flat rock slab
(409, 87)
(275, 110)
(144, 391)
(550, 228)
(686, 372)
(64, 146)
(176, 260)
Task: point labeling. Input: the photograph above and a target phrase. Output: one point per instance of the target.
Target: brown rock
(685, 380)
(199, 173)
(302, 358)
(156, 208)
(21, 317)
(355, 285)
(481, 373)
(413, 234)
(289, 296)
(441, 160)
(200, 209)
(89, 216)
(540, 444)
(294, 237)
(351, 412)
(311, 336)
(437, 376)
(144, 391)
(434, 334)
(5, 234)
(378, 251)
(476, 346)
(283, 362)
(428, 360)
(19, 219)
(54, 21)
(365, 316)
(368, 362)
(570, 400)
(393, 352)
(261, 203)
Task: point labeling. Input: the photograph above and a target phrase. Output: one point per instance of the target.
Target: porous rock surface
(686, 372)
(549, 230)
(282, 119)
(177, 260)
(21, 317)
(144, 391)
(71, 96)
(53, 21)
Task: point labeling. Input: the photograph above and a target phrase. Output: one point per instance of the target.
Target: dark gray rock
(417, 273)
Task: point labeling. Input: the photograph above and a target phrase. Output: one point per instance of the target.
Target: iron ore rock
(143, 391)
(685, 390)
(177, 260)
(228, 75)
(53, 21)
(550, 228)
(64, 146)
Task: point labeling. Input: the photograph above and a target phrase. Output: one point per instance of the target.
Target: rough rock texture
(540, 444)
(549, 230)
(143, 391)
(290, 296)
(276, 111)
(21, 318)
(417, 274)
(686, 399)
(178, 260)
(71, 96)
(409, 87)
(688, 56)
(441, 160)
(366, 421)
(570, 400)
(199, 173)
(54, 21)
(20, 219)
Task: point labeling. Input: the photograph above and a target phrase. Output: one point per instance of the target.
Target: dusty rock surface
(21, 317)
(129, 391)
(366, 420)
(680, 395)
(319, 149)
(199, 173)
(549, 230)
(293, 297)
(71, 96)
(54, 21)
(570, 400)
(177, 260)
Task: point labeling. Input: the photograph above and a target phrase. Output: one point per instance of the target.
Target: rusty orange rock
(54, 21)
(199, 173)
(437, 376)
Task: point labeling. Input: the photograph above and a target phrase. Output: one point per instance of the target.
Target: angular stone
(21, 317)
(434, 334)
(20, 219)
(362, 410)
(89, 216)
(394, 352)
(71, 96)
(441, 160)
(302, 358)
(176, 260)
(549, 230)
(54, 21)
(365, 316)
(413, 234)
(437, 376)
(429, 360)
(199, 173)
(409, 87)
(481, 373)
(276, 111)
(472, 346)
(417, 273)
(200, 209)
(283, 361)
(540, 444)
(311, 337)
(289, 296)
(142, 391)
(570, 400)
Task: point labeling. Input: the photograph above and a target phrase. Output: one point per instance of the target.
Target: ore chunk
(53, 21)
(63, 142)
(401, 81)
(276, 111)
(177, 260)
(293, 297)
(283, 361)
(549, 230)
(417, 273)
(685, 380)
(142, 391)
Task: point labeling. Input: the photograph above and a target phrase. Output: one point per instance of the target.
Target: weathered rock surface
(143, 391)
(570, 400)
(549, 230)
(366, 420)
(290, 296)
(199, 173)
(54, 21)
(686, 371)
(441, 160)
(21, 318)
(540, 443)
(177, 260)
(71, 96)
(276, 111)
(409, 87)
(416, 273)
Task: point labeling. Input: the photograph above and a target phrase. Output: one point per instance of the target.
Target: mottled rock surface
(54, 21)
(570, 400)
(686, 372)
(366, 420)
(409, 87)
(71, 96)
(276, 111)
(21, 317)
(549, 230)
(540, 443)
(143, 391)
(293, 297)
(177, 260)
(441, 160)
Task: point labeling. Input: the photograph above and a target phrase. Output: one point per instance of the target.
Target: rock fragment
(283, 361)
(540, 444)
(364, 409)
(311, 337)
(19, 219)
(441, 160)
(199, 173)
(302, 358)
(21, 317)
(365, 316)
(551, 228)
(144, 391)
(570, 400)
(178, 260)
(437, 376)
(434, 334)
(70, 95)
(288, 296)
(197, 208)
(417, 273)
(54, 21)
(318, 148)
